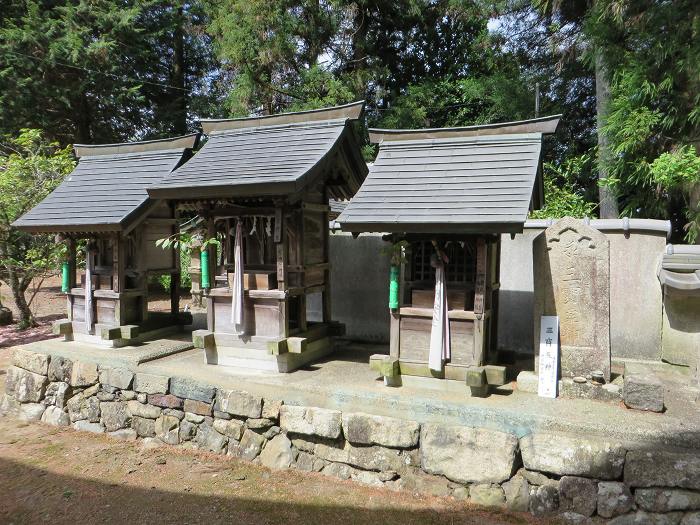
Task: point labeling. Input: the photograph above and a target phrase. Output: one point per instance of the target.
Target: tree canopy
(625, 76)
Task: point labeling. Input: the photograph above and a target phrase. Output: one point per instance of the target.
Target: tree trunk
(19, 287)
(180, 102)
(607, 198)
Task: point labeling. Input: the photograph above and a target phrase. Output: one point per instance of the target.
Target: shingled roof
(272, 155)
(107, 189)
(455, 180)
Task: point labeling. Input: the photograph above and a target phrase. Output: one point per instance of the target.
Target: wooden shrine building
(443, 197)
(261, 186)
(103, 209)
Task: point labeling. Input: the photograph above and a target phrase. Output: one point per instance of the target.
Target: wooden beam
(394, 334)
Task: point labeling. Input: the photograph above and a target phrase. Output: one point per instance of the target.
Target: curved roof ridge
(544, 125)
(92, 150)
(351, 111)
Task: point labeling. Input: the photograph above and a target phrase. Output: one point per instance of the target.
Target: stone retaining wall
(542, 473)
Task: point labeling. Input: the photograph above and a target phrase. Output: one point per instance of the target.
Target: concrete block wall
(543, 472)
(636, 248)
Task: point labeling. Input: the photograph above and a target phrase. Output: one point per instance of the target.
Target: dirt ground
(49, 304)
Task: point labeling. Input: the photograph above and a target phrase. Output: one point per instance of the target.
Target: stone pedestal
(572, 281)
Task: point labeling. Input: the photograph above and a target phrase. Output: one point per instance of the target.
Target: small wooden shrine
(443, 197)
(102, 209)
(261, 187)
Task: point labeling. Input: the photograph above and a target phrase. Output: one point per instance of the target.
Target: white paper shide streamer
(237, 295)
(440, 330)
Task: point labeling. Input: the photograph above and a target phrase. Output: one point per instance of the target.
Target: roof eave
(221, 191)
(434, 228)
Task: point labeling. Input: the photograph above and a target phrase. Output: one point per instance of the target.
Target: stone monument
(572, 281)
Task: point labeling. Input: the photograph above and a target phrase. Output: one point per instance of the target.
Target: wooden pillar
(72, 275)
(281, 240)
(326, 295)
(479, 292)
(175, 276)
(394, 334)
(118, 276)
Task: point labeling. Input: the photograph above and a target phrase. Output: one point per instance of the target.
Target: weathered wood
(476, 376)
(495, 375)
(480, 285)
(62, 327)
(394, 335)
(203, 339)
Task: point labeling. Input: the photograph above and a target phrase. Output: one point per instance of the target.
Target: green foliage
(104, 70)
(654, 113)
(562, 196)
(30, 168)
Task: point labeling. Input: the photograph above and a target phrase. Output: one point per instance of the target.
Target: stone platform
(512, 449)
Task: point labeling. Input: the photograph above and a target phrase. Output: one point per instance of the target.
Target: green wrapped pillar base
(394, 288)
(204, 268)
(65, 278)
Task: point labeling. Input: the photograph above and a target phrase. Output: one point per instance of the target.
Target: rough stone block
(648, 518)
(31, 411)
(83, 374)
(9, 406)
(364, 457)
(209, 439)
(517, 493)
(188, 389)
(60, 369)
(239, 403)
(198, 407)
(568, 388)
(231, 428)
(55, 416)
(661, 468)
(86, 426)
(543, 500)
(468, 455)
(367, 429)
(278, 453)
(259, 423)
(643, 392)
(164, 400)
(62, 327)
(666, 500)
(25, 386)
(151, 383)
(528, 381)
(83, 407)
(271, 409)
(614, 499)
(57, 394)
(116, 377)
(174, 412)
(125, 434)
(691, 518)
(115, 415)
(32, 361)
(569, 455)
(250, 446)
(579, 495)
(417, 481)
(188, 430)
(144, 427)
(168, 429)
(311, 421)
(486, 495)
(141, 410)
